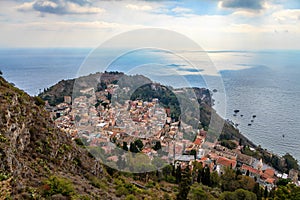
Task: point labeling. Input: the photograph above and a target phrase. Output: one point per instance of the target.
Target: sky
(213, 24)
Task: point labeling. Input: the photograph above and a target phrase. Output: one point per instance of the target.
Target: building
(223, 162)
(67, 99)
(252, 171)
(293, 175)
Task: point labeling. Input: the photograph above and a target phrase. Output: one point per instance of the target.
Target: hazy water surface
(264, 83)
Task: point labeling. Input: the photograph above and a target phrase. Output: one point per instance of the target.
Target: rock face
(32, 150)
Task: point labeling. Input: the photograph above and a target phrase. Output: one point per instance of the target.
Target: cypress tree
(178, 174)
(248, 173)
(133, 148)
(125, 147)
(266, 192)
(184, 185)
(206, 176)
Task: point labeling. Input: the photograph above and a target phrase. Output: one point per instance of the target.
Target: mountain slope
(34, 154)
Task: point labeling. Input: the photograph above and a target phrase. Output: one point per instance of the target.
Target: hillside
(34, 154)
(38, 161)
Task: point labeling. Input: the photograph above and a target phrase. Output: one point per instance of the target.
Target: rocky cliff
(39, 161)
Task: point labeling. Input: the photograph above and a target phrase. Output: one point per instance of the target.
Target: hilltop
(55, 95)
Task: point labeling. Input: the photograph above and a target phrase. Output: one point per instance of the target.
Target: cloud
(181, 10)
(60, 7)
(139, 7)
(242, 4)
(287, 16)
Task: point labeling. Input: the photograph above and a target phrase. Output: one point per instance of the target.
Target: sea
(261, 83)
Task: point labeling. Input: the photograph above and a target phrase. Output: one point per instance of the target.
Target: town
(145, 127)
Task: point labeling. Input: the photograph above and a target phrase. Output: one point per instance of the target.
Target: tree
(229, 144)
(193, 152)
(199, 176)
(125, 147)
(197, 193)
(214, 179)
(139, 144)
(206, 176)
(248, 173)
(157, 146)
(272, 193)
(1, 73)
(178, 174)
(246, 183)
(167, 170)
(238, 173)
(184, 185)
(133, 148)
(256, 190)
(228, 181)
(266, 192)
(239, 194)
(290, 192)
(283, 182)
(290, 161)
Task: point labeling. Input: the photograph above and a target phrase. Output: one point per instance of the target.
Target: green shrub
(38, 101)
(121, 191)
(98, 183)
(3, 138)
(4, 176)
(171, 179)
(57, 185)
(130, 197)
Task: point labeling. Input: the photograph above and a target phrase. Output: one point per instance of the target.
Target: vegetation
(165, 95)
(57, 185)
(229, 144)
(239, 194)
(39, 101)
(290, 161)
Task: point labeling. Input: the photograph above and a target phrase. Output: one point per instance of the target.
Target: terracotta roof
(226, 162)
(270, 180)
(251, 169)
(268, 173)
(198, 141)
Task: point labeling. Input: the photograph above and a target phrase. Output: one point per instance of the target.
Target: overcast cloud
(213, 24)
